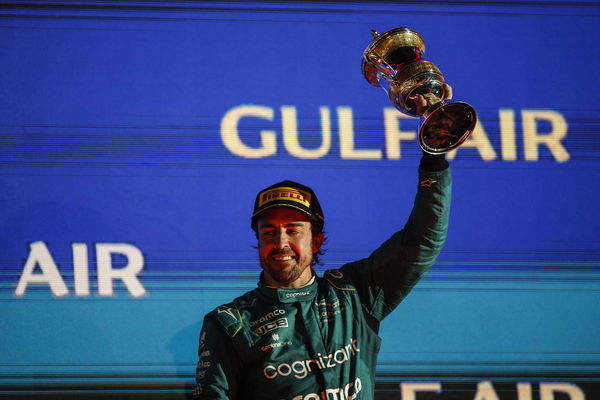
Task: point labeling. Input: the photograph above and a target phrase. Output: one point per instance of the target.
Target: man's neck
(297, 284)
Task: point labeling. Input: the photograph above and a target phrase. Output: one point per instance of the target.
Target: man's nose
(281, 239)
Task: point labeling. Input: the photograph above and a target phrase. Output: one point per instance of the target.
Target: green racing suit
(321, 341)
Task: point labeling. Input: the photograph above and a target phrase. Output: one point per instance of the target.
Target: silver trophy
(393, 62)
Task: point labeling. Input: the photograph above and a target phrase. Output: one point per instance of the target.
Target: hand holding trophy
(416, 87)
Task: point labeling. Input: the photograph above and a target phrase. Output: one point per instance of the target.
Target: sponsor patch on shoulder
(427, 182)
(227, 310)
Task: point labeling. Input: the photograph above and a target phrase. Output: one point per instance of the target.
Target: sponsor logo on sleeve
(427, 182)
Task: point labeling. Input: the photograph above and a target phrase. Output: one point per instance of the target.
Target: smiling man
(289, 232)
(299, 336)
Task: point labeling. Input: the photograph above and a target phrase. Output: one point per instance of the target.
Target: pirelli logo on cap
(284, 193)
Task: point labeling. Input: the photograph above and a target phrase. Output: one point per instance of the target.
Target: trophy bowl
(393, 61)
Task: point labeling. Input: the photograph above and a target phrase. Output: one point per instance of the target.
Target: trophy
(393, 62)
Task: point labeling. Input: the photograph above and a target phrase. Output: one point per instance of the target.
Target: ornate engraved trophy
(393, 62)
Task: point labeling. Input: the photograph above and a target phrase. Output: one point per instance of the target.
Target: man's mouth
(282, 258)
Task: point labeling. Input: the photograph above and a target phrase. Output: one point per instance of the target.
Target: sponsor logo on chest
(328, 308)
(300, 369)
(278, 323)
(264, 318)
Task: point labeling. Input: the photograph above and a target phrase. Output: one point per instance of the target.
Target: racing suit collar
(304, 293)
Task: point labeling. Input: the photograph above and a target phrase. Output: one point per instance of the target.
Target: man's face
(286, 246)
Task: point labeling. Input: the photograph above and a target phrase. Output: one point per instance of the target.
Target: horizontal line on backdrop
(229, 292)
(167, 19)
(341, 164)
(236, 281)
(187, 170)
(516, 266)
(243, 18)
(270, 6)
(306, 113)
(547, 276)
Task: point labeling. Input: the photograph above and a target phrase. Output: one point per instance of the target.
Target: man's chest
(323, 332)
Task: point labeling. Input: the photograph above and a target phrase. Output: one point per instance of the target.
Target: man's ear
(317, 242)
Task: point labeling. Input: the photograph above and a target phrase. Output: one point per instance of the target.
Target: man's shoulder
(339, 278)
(230, 315)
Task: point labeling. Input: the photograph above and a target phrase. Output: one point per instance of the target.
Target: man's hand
(423, 102)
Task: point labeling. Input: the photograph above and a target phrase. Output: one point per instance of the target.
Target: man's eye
(267, 233)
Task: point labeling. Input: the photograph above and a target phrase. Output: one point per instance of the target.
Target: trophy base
(447, 127)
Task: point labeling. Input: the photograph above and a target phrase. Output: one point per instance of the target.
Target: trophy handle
(380, 65)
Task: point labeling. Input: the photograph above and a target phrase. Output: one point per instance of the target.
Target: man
(298, 336)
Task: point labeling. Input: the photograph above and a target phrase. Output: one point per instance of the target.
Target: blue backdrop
(135, 135)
